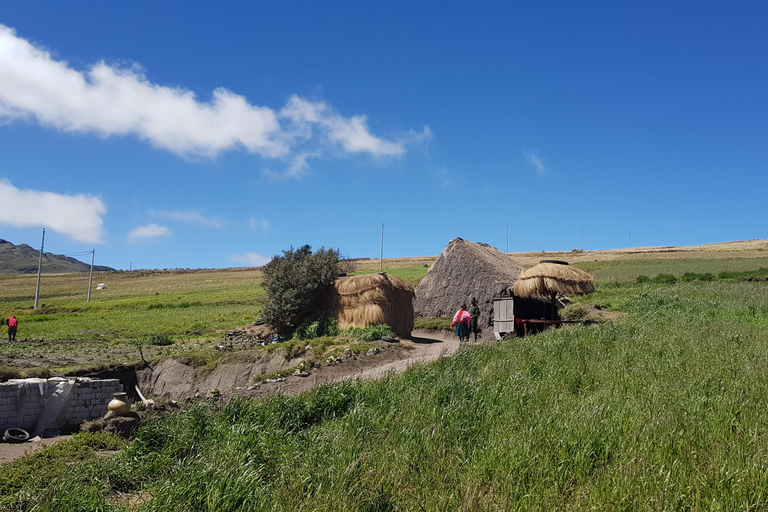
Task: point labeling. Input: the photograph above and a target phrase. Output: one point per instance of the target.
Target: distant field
(628, 270)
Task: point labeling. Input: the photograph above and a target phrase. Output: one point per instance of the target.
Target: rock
(316, 365)
(301, 374)
(308, 348)
(370, 352)
(348, 352)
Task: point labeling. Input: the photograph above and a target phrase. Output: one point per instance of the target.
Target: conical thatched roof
(462, 271)
(372, 299)
(545, 279)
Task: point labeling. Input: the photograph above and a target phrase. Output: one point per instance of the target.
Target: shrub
(665, 279)
(643, 279)
(370, 333)
(160, 340)
(295, 284)
(317, 328)
(690, 276)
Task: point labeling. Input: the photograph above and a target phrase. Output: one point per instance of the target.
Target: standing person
(461, 324)
(474, 313)
(12, 326)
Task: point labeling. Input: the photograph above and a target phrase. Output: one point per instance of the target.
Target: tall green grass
(663, 409)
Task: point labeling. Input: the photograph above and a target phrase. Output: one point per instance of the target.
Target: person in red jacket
(12, 327)
(461, 324)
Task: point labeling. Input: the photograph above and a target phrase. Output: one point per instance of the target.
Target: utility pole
(582, 239)
(381, 255)
(39, 268)
(90, 277)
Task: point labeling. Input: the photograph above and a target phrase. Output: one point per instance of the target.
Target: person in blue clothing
(460, 324)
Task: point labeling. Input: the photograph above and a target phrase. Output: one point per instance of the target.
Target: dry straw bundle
(547, 279)
(372, 299)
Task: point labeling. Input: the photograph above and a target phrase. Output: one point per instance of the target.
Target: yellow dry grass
(545, 279)
(736, 249)
(372, 299)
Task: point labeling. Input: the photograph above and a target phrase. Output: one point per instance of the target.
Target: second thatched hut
(371, 299)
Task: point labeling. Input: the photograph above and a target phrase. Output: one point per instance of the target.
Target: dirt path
(13, 451)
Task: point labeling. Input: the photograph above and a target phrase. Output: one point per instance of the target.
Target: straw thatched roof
(372, 299)
(546, 279)
(462, 271)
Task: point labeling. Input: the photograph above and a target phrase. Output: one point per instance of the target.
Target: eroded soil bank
(173, 379)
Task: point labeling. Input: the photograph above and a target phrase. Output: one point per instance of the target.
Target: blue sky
(200, 134)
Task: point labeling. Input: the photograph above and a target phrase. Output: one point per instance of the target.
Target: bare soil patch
(13, 451)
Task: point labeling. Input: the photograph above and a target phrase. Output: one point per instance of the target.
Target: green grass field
(661, 409)
(66, 333)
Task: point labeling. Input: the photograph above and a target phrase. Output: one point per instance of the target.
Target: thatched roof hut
(372, 299)
(548, 279)
(462, 271)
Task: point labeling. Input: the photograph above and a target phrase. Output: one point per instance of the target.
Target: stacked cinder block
(91, 399)
(22, 401)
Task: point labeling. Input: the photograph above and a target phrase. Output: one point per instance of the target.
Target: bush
(690, 276)
(370, 333)
(159, 340)
(319, 328)
(643, 279)
(295, 284)
(665, 279)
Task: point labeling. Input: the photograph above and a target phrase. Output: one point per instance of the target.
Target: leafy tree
(296, 283)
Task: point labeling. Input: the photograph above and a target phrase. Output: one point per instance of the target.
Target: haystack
(462, 271)
(546, 279)
(550, 280)
(372, 299)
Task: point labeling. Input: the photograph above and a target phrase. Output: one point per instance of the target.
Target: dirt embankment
(171, 378)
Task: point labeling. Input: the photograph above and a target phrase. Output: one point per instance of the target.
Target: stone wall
(61, 402)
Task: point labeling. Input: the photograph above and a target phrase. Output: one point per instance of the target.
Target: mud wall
(38, 404)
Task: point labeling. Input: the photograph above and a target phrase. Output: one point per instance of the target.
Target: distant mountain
(23, 259)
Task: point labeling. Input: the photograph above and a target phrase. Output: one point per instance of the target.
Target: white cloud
(191, 217)
(253, 259)
(258, 224)
(534, 158)
(148, 231)
(112, 101)
(352, 134)
(79, 217)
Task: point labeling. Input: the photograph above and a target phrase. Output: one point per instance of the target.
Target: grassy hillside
(23, 259)
(662, 409)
